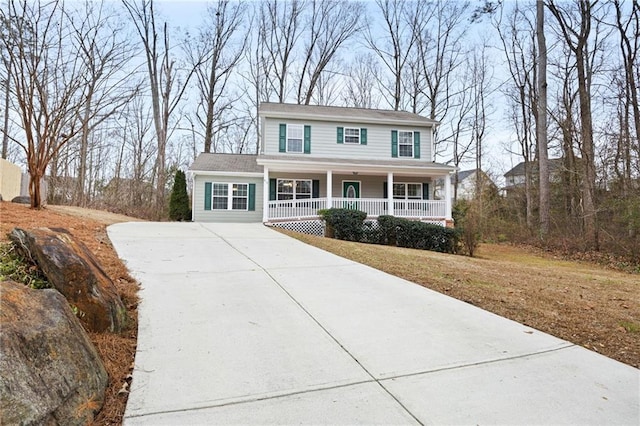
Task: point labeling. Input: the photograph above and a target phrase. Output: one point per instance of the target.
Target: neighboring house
(318, 157)
(467, 180)
(515, 178)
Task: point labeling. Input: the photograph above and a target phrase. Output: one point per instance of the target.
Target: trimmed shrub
(424, 236)
(179, 204)
(388, 226)
(346, 224)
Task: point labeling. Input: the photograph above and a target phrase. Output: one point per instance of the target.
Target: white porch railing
(296, 209)
(374, 207)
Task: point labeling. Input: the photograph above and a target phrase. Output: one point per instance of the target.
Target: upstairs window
(405, 144)
(351, 135)
(295, 134)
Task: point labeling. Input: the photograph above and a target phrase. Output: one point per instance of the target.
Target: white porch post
(265, 196)
(329, 188)
(390, 193)
(447, 196)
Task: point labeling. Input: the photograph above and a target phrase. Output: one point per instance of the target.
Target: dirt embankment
(117, 351)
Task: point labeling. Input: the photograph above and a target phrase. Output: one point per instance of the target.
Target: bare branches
(214, 54)
(49, 89)
(331, 24)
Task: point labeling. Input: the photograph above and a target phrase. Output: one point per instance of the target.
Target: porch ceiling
(299, 163)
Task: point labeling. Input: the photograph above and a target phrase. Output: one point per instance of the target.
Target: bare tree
(359, 92)
(215, 54)
(629, 32)
(279, 31)
(104, 53)
(8, 63)
(330, 24)
(517, 39)
(395, 47)
(440, 33)
(575, 29)
(48, 88)
(541, 123)
(166, 88)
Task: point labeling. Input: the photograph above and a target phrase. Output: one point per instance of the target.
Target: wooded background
(108, 99)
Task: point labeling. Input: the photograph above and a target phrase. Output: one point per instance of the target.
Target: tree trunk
(7, 97)
(541, 123)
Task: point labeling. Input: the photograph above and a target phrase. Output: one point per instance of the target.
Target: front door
(351, 189)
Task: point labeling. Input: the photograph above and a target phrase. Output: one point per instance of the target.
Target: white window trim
(229, 196)
(406, 192)
(301, 126)
(294, 193)
(409, 144)
(344, 135)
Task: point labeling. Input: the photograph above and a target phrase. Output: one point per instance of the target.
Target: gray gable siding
(324, 140)
(202, 215)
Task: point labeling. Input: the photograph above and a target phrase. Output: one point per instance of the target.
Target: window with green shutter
(282, 146)
(252, 197)
(394, 143)
(207, 195)
(307, 139)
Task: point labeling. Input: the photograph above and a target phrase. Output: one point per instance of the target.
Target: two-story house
(318, 157)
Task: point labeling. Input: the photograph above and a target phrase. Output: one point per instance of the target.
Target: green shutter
(207, 195)
(385, 193)
(315, 188)
(252, 197)
(307, 139)
(425, 191)
(363, 136)
(273, 188)
(340, 134)
(394, 143)
(416, 144)
(283, 138)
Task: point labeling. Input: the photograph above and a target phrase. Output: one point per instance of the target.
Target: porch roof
(229, 163)
(350, 165)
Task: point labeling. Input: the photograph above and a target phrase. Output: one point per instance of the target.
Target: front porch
(295, 188)
(434, 211)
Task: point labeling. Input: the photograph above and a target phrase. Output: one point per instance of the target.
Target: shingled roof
(320, 112)
(226, 163)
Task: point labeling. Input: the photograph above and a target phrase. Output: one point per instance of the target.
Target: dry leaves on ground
(117, 351)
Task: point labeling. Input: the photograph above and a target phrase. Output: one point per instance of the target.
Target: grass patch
(13, 266)
(631, 327)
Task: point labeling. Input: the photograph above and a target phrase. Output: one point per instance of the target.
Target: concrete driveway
(239, 324)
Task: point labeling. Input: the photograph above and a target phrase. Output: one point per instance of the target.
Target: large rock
(50, 373)
(21, 199)
(73, 270)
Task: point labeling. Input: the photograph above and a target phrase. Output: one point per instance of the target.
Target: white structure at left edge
(318, 157)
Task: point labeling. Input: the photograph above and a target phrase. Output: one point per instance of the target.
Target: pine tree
(179, 203)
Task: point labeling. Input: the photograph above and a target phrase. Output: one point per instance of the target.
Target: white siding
(324, 140)
(202, 215)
